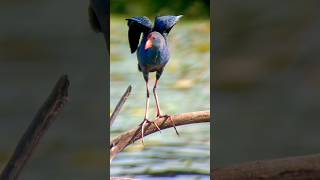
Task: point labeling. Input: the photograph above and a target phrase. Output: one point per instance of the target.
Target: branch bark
(301, 167)
(129, 137)
(41, 122)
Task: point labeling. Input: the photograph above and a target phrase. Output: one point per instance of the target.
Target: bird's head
(154, 40)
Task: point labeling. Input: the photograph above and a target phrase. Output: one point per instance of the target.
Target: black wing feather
(137, 25)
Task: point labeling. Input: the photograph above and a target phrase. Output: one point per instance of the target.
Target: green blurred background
(39, 41)
(183, 87)
(193, 9)
(266, 80)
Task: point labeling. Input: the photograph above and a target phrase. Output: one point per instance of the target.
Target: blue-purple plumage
(163, 24)
(157, 55)
(137, 25)
(154, 58)
(144, 21)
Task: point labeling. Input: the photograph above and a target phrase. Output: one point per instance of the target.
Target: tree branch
(120, 104)
(129, 137)
(41, 122)
(301, 167)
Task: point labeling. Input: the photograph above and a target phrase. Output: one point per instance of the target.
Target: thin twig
(120, 104)
(41, 122)
(129, 137)
(301, 167)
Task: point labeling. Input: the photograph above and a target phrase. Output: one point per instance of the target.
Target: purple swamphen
(153, 53)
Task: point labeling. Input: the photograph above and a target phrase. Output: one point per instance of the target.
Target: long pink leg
(145, 120)
(158, 107)
(156, 97)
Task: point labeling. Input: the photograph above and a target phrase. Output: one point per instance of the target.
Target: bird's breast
(152, 56)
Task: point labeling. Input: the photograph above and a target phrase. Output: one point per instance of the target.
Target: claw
(142, 130)
(143, 125)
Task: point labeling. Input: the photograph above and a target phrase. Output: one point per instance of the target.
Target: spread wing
(137, 25)
(163, 24)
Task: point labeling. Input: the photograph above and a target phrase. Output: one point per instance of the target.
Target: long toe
(174, 125)
(142, 130)
(170, 118)
(155, 124)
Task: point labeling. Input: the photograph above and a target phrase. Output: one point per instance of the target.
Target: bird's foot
(170, 118)
(143, 124)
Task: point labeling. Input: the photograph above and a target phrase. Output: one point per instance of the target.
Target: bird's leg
(147, 102)
(156, 98)
(158, 105)
(158, 74)
(146, 120)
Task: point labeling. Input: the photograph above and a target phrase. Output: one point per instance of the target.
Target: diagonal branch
(129, 137)
(120, 104)
(301, 167)
(41, 122)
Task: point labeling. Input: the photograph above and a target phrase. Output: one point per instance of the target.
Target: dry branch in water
(129, 137)
(41, 122)
(120, 104)
(301, 167)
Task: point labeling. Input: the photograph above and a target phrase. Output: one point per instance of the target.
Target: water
(183, 87)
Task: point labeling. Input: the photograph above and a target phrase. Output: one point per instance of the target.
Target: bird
(98, 11)
(152, 54)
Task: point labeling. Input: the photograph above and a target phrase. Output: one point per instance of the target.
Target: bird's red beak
(148, 44)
